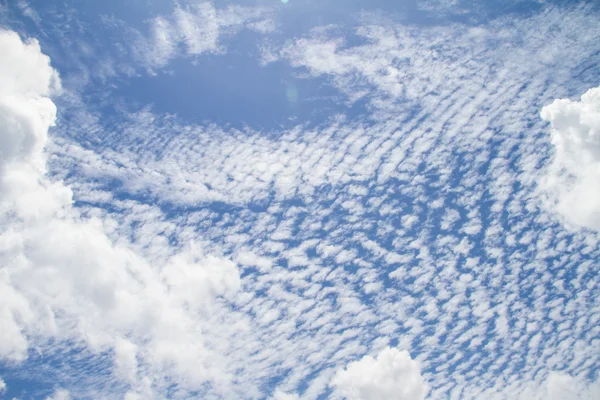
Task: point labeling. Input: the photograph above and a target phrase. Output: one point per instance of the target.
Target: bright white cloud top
(393, 375)
(414, 216)
(26, 113)
(575, 176)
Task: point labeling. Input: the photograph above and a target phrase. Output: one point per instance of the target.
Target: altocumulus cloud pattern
(300, 200)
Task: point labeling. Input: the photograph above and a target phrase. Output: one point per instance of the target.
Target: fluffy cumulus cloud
(26, 113)
(574, 177)
(2, 386)
(62, 278)
(25, 110)
(392, 375)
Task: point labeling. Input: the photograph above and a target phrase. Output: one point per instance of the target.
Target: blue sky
(301, 200)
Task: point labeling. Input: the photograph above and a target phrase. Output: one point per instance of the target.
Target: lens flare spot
(291, 93)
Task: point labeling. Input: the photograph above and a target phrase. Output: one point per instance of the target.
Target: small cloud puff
(60, 394)
(392, 375)
(279, 395)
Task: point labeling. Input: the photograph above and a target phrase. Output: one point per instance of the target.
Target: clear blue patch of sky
(234, 90)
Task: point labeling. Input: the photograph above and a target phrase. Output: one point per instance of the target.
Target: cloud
(422, 226)
(126, 360)
(60, 394)
(574, 177)
(197, 29)
(2, 386)
(28, 11)
(393, 375)
(25, 116)
(279, 395)
(441, 7)
(25, 111)
(560, 386)
(387, 67)
(64, 279)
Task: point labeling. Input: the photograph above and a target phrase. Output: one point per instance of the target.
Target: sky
(301, 199)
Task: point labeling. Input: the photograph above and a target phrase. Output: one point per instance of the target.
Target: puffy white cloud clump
(560, 386)
(62, 277)
(393, 375)
(60, 394)
(26, 113)
(279, 395)
(573, 182)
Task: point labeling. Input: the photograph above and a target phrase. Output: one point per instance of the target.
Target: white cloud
(440, 6)
(162, 44)
(464, 150)
(393, 375)
(125, 360)
(142, 391)
(279, 395)
(198, 28)
(307, 301)
(28, 11)
(61, 276)
(26, 78)
(25, 111)
(2, 386)
(60, 394)
(574, 177)
(560, 386)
